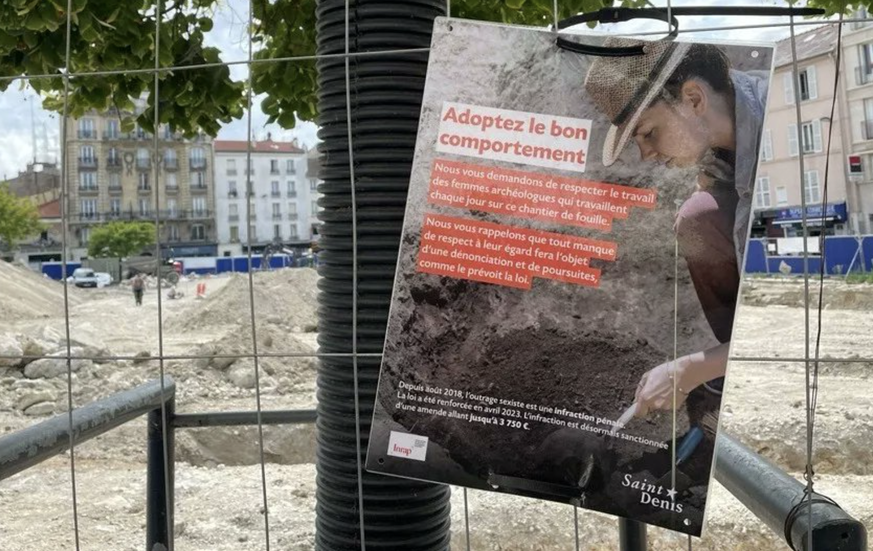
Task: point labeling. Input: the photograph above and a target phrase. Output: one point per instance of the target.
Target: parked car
(84, 277)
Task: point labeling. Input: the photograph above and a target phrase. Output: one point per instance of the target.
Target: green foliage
(19, 218)
(120, 239)
(120, 34)
(860, 278)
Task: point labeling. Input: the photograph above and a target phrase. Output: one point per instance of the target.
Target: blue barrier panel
(756, 257)
(55, 269)
(868, 252)
(223, 265)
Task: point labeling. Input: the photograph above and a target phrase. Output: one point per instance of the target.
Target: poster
(568, 270)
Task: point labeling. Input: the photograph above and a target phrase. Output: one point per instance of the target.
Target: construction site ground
(764, 408)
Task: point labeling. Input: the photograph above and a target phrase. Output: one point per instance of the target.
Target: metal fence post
(160, 480)
(631, 535)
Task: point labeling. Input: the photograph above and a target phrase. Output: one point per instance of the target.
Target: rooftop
(266, 146)
(819, 41)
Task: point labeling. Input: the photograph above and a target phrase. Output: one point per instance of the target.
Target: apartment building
(281, 199)
(857, 101)
(778, 201)
(112, 176)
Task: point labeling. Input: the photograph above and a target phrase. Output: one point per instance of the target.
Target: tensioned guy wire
(257, 366)
(354, 283)
(165, 455)
(65, 173)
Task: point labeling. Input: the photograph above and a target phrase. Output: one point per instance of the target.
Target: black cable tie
(796, 511)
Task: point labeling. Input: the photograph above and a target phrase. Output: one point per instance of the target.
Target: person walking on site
(138, 286)
(684, 106)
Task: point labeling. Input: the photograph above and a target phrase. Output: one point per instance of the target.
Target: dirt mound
(25, 294)
(838, 295)
(287, 297)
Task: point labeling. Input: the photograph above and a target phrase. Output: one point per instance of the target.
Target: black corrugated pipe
(386, 91)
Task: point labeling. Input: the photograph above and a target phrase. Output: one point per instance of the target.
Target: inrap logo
(400, 450)
(407, 446)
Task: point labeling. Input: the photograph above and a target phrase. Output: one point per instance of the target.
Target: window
(762, 192)
(289, 167)
(112, 129)
(139, 132)
(197, 158)
(767, 146)
(274, 188)
(173, 233)
(113, 158)
(89, 208)
(811, 138)
(292, 234)
(172, 208)
(315, 209)
(87, 129)
(170, 159)
(198, 180)
(231, 167)
(172, 183)
(808, 85)
(144, 181)
(84, 236)
(115, 206)
(274, 166)
(198, 232)
(781, 196)
(292, 189)
(86, 154)
(114, 180)
(234, 234)
(144, 207)
(867, 123)
(87, 181)
(811, 186)
(277, 231)
(142, 158)
(277, 213)
(231, 188)
(253, 235)
(292, 209)
(199, 205)
(313, 185)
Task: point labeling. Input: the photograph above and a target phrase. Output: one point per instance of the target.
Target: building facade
(857, 83)
(112, 176)
(779, 188)
(282, 199)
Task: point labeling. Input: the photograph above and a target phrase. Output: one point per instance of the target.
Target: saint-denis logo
(408, 446)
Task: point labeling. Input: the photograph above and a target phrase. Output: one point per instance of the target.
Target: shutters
(788, 80)
(792, 140)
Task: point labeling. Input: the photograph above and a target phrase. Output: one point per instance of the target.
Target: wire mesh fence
(252, 342)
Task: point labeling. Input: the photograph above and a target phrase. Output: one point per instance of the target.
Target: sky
(229, 35)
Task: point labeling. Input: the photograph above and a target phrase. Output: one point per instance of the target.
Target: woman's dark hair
(706, 62)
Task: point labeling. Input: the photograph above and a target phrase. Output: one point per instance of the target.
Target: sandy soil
(764, 407)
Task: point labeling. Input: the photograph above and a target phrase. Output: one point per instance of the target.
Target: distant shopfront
(788, 222)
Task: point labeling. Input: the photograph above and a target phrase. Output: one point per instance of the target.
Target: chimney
(269, 136)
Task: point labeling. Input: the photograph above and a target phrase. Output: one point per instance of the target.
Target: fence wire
(810, 361)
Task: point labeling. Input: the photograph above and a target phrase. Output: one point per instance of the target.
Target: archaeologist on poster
(683, 105)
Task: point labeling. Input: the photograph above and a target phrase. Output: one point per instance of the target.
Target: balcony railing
(231, 172)
(274, 171)
(198, 214)
(277, 216)
(276, 194)
(144, 189)
(87, 134)
(867, 130)
(292, 216)
(172, 189)
(232, 194)
(292, 193)
(233, 217)
(88, 162)
(863, 75)
(197, 163)
(143, 164)
(90, 217)
(115, 190)
(171, 163)
(111, 135)
(199, 188)
(113, 163)
(88, 190)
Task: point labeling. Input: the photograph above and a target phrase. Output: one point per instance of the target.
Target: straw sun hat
(623, 87)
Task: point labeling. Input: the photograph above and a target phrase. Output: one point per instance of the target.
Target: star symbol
(671, 494)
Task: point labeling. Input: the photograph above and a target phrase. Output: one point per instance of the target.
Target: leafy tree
(120, 239)
(119, 34)
(19, 218)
